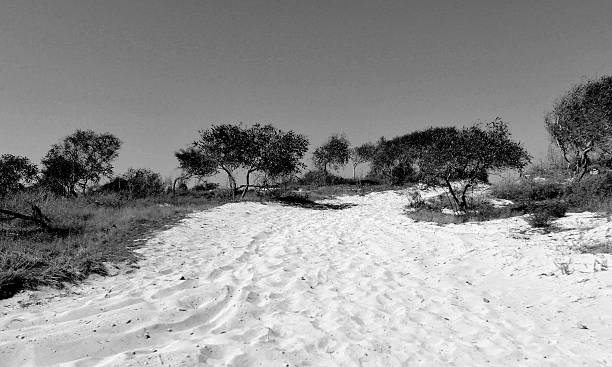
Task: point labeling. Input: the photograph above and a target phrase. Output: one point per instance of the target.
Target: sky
(155, 72)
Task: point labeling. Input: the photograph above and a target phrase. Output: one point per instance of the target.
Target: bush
(593, 192)
(544, 212)
(206, 186)
(321, 178)
(432, 210)
(136, 183)
(521, 190)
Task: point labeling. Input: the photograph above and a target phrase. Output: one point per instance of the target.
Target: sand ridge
(250, 284)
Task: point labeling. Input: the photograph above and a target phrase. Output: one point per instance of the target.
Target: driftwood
(36, 217)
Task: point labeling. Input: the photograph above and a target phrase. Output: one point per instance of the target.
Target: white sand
(270, 285)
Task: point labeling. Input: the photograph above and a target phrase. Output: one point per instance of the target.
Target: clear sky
(155, 72)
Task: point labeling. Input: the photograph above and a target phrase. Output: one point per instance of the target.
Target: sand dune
(249, 284)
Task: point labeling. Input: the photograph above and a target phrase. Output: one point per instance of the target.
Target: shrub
(520, 190)
(544, 212)
(590, 193)
(136, 183)
(79, 161)
(321, 178)
(432, 210)
(15, 171)
(206, 186)
(545, 190)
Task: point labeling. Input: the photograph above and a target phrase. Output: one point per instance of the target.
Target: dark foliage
(581, 124)
(80, 160)
(15, 172)
(544, 212)
(259, 148)
(334, 153)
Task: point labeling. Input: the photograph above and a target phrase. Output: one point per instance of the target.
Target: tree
(259, 148)
(581, 123)
(15, 172)
(468, 154)
(362, 154)
(194, 162)
(80, 160)
(272, 152)
(143, 182)
(335, 153)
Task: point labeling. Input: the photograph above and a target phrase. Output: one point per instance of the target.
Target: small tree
(15, 172)
(194, 162)
(362, 154)
(142, 182)
(81, 159)
(581, 123)
(468, 154)
(334, 153)
(259, 148)
(224, 146)
(273, 152)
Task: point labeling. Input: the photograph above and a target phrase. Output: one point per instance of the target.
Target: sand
(251, 284)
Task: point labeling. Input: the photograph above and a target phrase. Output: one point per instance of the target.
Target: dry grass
(89, 233)
(438, 210)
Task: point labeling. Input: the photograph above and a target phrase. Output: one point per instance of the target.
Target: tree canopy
(334, 153)
(580, 122)
(441, 155)
(15, 171)
(468, 154)
(362, 154)
(80, 160)
(258, 148)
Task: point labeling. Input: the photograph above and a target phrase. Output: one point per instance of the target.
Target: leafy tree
(396, 159)
(143, 182)
(334, 153)
(259, 148)
(15, 171)
(80, 160)
(272, 152)
(136, 183)
(362, 154)
(468, 154)
(581, 123)
(194, 162)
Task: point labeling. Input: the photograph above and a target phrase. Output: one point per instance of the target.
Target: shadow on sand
(309, 204)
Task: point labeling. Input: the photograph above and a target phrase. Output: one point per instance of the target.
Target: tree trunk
(176, 180)
(585, 165)
(246, 188)
(452, 192)
(232, 181)
(354, 172)
(584, 162)
(463, 200)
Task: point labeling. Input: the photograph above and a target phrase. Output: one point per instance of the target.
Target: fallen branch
(37, 217)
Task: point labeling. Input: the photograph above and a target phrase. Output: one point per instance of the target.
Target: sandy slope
(268, 285)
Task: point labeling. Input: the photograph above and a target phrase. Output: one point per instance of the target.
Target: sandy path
(268, 285)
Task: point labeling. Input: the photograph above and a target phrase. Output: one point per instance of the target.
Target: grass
(439, 209)
(303, 200)
(91, 231)
(332, 191)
